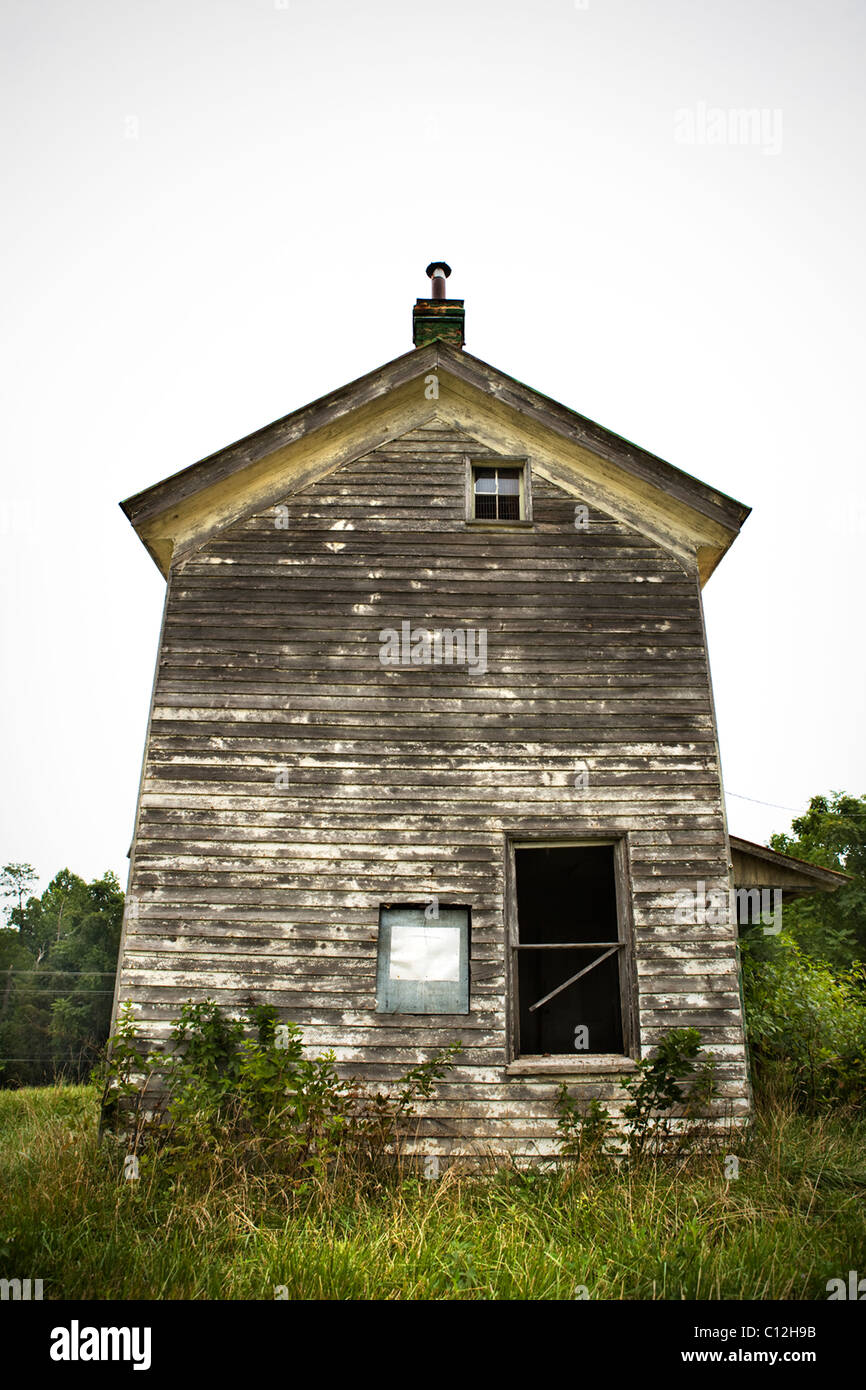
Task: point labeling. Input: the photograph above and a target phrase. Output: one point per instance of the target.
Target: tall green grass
(794, 1218)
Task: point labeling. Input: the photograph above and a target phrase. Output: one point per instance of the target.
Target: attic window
(498, 492)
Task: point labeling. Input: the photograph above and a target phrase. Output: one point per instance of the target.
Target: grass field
(792, 1220)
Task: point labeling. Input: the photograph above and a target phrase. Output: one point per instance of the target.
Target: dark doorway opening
(566, 922)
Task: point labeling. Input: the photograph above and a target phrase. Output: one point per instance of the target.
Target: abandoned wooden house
(432, 755)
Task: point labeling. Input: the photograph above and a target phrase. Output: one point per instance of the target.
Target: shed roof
(756, 866)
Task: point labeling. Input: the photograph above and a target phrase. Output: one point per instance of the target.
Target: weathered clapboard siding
(402, 783)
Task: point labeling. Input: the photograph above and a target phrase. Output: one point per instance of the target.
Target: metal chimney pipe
(438, 272)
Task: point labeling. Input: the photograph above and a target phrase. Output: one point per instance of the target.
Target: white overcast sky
(217, 212)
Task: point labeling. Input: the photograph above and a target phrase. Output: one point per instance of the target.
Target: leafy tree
(57, 963)
(805, 989)
(830, 926)
(15, 880)
(807, 1025)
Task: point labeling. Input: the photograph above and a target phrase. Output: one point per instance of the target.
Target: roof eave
(725, 514)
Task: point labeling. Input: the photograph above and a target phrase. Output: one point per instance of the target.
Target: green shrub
(806, 1024)
(658, 1095)
(582, 1133)
(221, 1103)
(667, 1094)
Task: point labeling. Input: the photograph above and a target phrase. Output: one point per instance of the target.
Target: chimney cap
(441, 266)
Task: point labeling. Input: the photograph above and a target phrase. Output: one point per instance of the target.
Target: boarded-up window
(568, 955)
(423, 960)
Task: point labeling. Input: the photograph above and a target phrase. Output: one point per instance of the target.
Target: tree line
(58, 958)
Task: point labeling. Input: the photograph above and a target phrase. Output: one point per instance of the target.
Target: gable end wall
(402, 784)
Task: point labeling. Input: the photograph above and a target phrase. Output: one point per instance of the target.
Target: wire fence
(52, 970)
(47, 1061)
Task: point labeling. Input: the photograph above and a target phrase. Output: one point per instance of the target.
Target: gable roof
(178, 515)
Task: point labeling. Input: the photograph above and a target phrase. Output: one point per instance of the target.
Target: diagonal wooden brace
(585, 971)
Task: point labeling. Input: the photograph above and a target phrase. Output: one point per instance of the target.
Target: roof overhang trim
(178, 515)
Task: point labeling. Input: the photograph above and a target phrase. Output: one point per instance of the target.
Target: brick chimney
(438, 317)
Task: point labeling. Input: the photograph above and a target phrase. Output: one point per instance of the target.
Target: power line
(798, 810)
(60, 989)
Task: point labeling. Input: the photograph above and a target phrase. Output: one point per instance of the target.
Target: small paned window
(497, 493)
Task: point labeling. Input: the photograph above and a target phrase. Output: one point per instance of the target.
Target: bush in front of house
(221, 1103)
(666, 1114)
